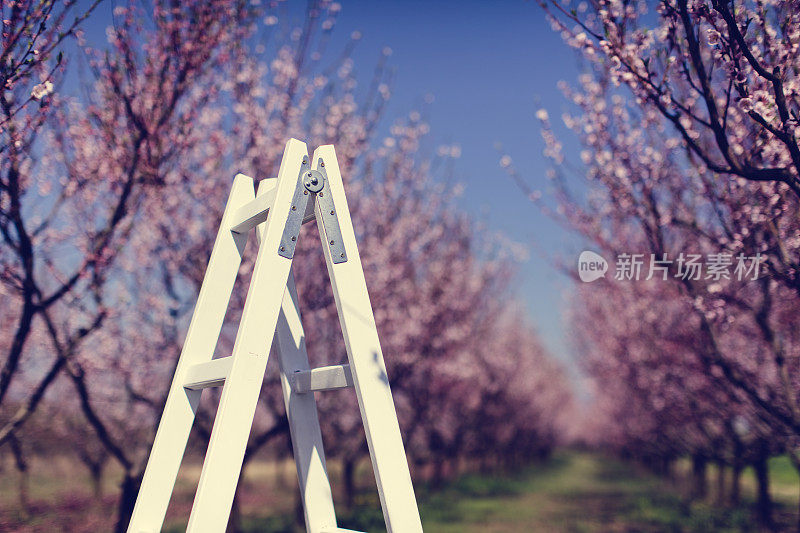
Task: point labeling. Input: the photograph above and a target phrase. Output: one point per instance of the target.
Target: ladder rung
(254, 212)
(210, 374)
(340, 530)
(323, 378)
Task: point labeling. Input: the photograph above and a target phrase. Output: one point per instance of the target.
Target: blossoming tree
(687, 120)
(133, 181)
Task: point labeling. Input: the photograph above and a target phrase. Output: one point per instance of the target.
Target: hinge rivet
(305, 192)
(283, 249)
(294, 239)
(322, 163)
(331, 243)
(294, 208)
(331, 211)
(320, 194)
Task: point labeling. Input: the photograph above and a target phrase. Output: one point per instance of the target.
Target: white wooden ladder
(303, 191)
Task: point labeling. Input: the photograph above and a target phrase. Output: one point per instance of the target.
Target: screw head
(313, 181)
(322, 163)
(294, 239)
(331, 211)
(320, 194)
(283, 248)
(331, 243)
(341, 255)
(294, 208)
(305, 192)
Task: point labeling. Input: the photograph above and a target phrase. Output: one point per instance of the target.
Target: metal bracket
(333, 234)
(313, 183)
(295, 218)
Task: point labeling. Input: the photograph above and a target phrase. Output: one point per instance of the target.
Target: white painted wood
(367, 365)
(301, 411)
(339, 530)
(254, 212)
(322, 379)
(223, 461)
(273, 309)
(306, 436)
(201, 339)
(208, 374)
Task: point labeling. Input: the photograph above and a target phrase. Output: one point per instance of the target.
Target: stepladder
(306, 189)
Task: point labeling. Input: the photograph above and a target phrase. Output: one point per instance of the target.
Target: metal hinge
(315, 184)
(333, 234)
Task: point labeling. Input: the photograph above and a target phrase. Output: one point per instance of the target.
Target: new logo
(591, 266)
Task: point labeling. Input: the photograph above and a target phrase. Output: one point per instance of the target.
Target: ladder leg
(201, 338)
(366, 363)
(301, 410)
(226, 449)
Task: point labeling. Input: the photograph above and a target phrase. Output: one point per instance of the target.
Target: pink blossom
(41, 90)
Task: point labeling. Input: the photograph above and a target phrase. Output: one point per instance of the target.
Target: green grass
(571, 492)
(782, 472)
(577, 492)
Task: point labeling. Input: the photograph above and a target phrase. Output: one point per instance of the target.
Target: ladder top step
(255, 211)
(209, 374)
(323, 378)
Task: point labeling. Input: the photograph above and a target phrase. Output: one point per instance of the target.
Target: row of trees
(688, 123)
(109, 204)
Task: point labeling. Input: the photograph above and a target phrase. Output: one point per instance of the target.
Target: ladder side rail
(225, 454)
(367, 366)
(201, 339)
(301, 411)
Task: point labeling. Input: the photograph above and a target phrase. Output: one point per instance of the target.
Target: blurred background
(484, 146)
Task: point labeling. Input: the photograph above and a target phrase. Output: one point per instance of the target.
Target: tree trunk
(24, 476)
(96, 473)
(668, 470)
(438, 474)
(349, 479)
(664, 466)
(734, 496)
(699, 485)
(235, 519)
(127, 500)
(763, 500)
(286, 473)
(483, 468)
(447, 470)
(720, 499)
(299, 511)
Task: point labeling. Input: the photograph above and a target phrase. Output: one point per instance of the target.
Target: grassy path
(572, 492)
(579, 492)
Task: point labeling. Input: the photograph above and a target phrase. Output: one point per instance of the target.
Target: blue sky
(489, 66)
